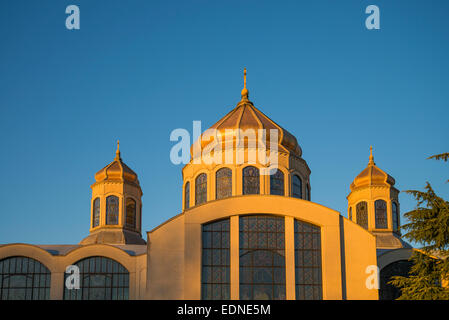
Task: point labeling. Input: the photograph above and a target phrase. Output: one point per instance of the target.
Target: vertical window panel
(262, 258)
(395, 214)
(380, 207)
(112, 210)
(223, 183)
(362, 214)
(308, 269)
(130, 213)
(251, 180)
(215, 271)
(277, 183)
(96, 213)
(201, 189)
(187, 196)
(296, 187)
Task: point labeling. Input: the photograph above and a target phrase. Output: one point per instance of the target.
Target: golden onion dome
(246, 116)
(372, 176)
(117, 170)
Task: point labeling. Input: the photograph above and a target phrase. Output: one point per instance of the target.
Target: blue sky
(137, 70)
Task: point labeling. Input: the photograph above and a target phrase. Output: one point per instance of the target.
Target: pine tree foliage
(443, 156)
(429, 227)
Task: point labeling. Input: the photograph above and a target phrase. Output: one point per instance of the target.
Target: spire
(245, 92)
(371, 157)
(117, 153)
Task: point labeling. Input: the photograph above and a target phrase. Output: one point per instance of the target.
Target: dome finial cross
(117, 153)
(245, 92)
(371, 157)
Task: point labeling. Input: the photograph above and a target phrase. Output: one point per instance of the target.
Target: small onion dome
(372, 175)
(117, 170)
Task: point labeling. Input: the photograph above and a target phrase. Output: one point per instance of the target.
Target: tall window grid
(380, 207)
(296, 187)
(277, 183)
(223, 183)
(308, 277)
(112, 209)
(201, 189)
(262, 258)
(130, 213)
(362, 214)
(251, 180)
(101, 278)
(395, 214)
(96, 213)
(215, 273)
(23, 278)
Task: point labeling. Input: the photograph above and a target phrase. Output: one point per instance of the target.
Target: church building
(241, 234)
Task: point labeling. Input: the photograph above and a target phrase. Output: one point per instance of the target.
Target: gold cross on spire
(244, 78)
(117, 153)
(371, 157)
(245, 92)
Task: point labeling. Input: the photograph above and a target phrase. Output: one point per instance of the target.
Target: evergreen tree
(429, 226)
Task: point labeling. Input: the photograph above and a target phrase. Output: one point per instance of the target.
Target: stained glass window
(23, 278)
(362, 214)
(101, 278)
(308, 261)
(112, 209)
(96, 213)
(296, 187)
(223, 184)
(395, 216)
(251, 180)
(187, 196)
(262, 258)
(215, 273)
(130, 213)
(380, 214)
(201, 189)
(277, 183)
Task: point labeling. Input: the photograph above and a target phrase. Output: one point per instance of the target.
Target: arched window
(262, 257)
(96, 213)
(187, 196)
(362, 214)
(296, 187)
(223, 183)
(101, 278)
(130, 213)
(308, 261)
(112, 209)
(395, 216)
(350, 213)
(201, 189)
(215, 271)
(381, 214)
(277, 183)
(251, 180)
(23, 278)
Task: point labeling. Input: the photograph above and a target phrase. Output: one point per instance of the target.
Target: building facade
(242, 233)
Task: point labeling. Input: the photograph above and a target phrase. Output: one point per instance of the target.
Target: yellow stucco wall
(177, 246)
